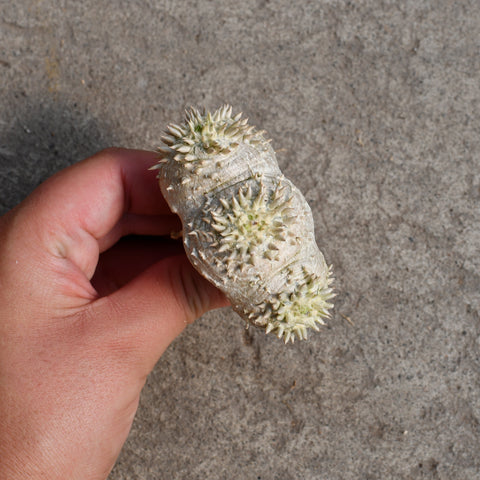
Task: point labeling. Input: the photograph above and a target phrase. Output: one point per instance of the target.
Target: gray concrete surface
(373, 107)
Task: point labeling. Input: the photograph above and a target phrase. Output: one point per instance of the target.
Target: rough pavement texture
(373, 108)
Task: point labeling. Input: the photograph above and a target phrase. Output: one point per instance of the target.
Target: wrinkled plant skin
(246, 228)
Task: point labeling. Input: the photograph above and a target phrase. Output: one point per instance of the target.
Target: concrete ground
(373, 108)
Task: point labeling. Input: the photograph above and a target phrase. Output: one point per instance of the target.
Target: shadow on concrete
(40, 138)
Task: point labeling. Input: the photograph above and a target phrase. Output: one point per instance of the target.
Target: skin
(85, 315)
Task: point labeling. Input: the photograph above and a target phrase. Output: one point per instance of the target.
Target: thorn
(176, 130)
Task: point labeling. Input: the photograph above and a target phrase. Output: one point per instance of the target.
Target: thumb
(153, 309)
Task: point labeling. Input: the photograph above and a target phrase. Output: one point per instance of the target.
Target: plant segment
(246, 228)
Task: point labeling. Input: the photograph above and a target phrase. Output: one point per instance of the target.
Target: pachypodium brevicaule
(246, 228)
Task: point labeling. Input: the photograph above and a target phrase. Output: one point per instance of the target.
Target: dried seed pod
(246, 228)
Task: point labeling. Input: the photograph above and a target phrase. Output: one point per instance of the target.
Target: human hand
(81, 330)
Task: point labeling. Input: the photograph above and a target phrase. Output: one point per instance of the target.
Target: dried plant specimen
(246, 228)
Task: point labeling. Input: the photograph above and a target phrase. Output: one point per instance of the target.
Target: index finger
(73, 210)
(141, 193)
(97, 191)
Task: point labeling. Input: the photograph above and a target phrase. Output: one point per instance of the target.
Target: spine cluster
(203, 136)
(250, 226)
(303, 304)
(246, 228)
